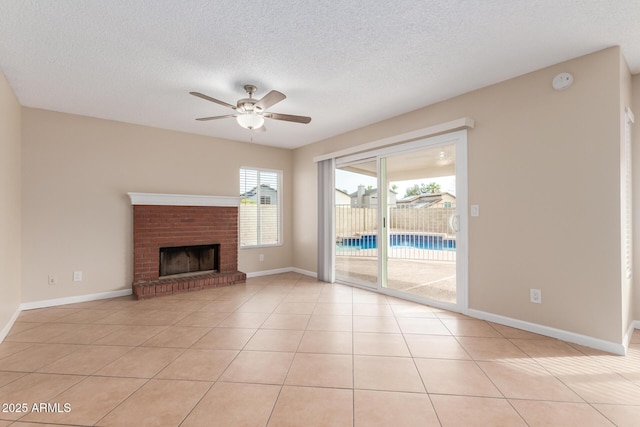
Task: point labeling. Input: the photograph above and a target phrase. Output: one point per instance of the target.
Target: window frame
(259, 171)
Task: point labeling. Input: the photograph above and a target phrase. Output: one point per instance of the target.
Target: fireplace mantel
(159, 199)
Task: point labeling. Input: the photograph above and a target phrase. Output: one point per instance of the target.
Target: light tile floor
(286, 350)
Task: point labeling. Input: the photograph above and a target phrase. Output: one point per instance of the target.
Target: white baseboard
(280, 271)
(587, 341)
(627, 336)
(59, 301)
(5, 331)
(305, 272)
(269, 272)
(608, 346)
(70, 300)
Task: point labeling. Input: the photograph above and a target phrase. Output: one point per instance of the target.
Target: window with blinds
(260, 207)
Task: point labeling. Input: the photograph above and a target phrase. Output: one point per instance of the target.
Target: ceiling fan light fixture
(250, 120)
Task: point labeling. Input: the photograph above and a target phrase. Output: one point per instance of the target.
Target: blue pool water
(418, 241)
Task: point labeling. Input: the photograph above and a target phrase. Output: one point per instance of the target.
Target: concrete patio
(430, 279)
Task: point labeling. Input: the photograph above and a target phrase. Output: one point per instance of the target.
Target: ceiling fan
(250, 112)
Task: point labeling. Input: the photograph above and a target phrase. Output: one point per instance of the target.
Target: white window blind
(260, 207)
(626, 197)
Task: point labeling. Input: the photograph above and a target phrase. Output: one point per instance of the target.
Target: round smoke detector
(562, 81)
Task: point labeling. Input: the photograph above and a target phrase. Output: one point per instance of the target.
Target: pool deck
(433, 279)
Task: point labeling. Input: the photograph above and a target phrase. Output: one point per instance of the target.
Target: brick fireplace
(162, 221)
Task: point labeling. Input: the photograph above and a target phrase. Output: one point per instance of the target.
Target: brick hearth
(156, 226)
(168, 286)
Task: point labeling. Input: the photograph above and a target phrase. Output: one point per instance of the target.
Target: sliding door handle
(454, 223)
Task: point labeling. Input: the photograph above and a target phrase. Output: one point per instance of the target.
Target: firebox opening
(189, 259)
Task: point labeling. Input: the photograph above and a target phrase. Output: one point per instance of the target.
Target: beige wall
(10, 218)
(77, 216)
(544, 167)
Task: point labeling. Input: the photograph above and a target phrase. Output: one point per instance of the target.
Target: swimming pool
(417, 241)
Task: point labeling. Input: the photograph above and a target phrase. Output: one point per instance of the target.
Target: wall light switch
(475, 210)
(77, 276)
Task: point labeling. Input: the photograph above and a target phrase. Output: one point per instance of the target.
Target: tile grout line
(275, 402)
(353, 364)
(433, 407)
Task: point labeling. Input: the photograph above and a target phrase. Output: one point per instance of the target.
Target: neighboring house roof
(370, 191)
(426, 199)
(254, 190)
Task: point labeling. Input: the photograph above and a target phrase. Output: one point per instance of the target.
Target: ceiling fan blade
(204, 119)
(270, 99)
(288, 117)
(208, 98)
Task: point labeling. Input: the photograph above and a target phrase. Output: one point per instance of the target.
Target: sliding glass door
(356, 222)
(422, 218)
(400, 220)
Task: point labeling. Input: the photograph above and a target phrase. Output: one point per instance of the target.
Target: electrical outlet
(52, 279)
(77, 276)
(261, 257)
(535, 296)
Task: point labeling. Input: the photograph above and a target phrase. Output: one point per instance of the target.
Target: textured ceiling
(344, 63)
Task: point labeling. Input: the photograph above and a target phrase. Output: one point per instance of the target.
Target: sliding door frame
(459, 139)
